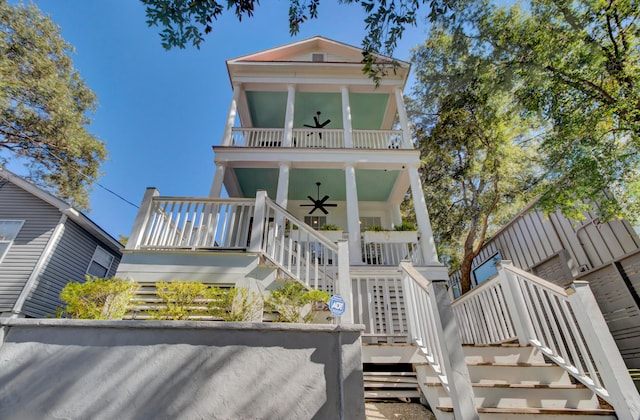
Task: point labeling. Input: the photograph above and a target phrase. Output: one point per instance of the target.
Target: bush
(97, 298)
(406, 226)
(234, 305)
(328, 226)
(293, 302)
(180, 299)
(374, 228)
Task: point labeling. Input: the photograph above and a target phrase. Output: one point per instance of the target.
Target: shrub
(234, 305)
(328, 226)
(97, 298)
(374, 228)
(406, 226)
(293, 302)
(180, 299)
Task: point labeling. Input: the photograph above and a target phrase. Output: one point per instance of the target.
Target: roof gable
(304, 50)
(62, 206)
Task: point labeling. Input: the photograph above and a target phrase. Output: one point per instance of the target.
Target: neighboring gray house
(605, 254)
(44, 244)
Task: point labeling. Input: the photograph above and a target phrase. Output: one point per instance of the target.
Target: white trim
(33, 280)
(93, 258)
(3, 254)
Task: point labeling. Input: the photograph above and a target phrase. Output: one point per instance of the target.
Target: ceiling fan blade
(330, 205)
(324, 123)
(307, 205)
(307, 125)
(325, 198)
(323, 210)
(315, 119)
(311, 198)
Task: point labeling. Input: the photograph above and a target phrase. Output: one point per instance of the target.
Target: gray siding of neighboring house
(40, 221)
(68, 262)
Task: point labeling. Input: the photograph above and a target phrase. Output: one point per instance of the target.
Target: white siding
(40, 221)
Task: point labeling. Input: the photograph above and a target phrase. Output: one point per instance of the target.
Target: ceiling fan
(319, 203)
(317, 123)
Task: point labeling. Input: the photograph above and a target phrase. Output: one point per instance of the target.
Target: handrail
(432, 327)
(301, 251)
(565, 325)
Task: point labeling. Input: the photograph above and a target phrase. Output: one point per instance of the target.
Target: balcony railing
(317, 138)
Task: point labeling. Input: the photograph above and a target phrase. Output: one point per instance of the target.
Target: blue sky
(161, 111)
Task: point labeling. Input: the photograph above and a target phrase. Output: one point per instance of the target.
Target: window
(487, 269)
(315, 221)
(317, 57)
(8, 231)
(100, 263)
(367, 222)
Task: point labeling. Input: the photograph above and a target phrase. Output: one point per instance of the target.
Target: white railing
(330, 138)
(257, 137)
(318, 137)
(197, 223)
(379, 305)
(565, 324)
(389, 253)
(301, 251)
(433, 328)
(377, 139)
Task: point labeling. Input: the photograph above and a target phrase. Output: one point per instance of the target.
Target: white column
(282, 193)
(353, 215)
(218, 180)
(346, 118)
(288, 119)
(231, 116)
(404, 121)
(422, 217)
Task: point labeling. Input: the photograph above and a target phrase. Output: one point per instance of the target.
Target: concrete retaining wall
(158, 369)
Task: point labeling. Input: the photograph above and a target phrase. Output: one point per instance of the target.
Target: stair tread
(518, 364)
(530, 386)
(537, 410)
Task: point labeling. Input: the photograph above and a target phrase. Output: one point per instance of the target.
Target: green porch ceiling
(372, 185)
(267, 109)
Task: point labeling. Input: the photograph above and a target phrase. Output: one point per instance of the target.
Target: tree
(577, 64)
(478, 155)
(187, 21)
(44, 105)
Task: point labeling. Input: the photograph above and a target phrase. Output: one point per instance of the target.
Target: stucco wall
(187, 370)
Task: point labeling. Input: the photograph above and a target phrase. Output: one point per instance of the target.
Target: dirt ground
(397, 411)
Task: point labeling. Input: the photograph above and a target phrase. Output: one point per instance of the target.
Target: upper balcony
(317, 138)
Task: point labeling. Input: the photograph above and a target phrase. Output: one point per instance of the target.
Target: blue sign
(337, 305)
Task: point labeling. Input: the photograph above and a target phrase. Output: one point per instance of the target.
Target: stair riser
(550, 375)
(492, 354)
(528, 398)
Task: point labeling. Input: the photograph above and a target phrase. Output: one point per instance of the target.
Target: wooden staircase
(511, 381)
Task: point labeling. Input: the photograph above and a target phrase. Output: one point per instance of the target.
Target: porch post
(344, 281)
(218, 179)
(427, 243)
(227, 137)
(346, 118)
(142, 218)
(353, 215)
(404, 121)
(257, 228)
(282, 193)
(516, 304)
(288, 119)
